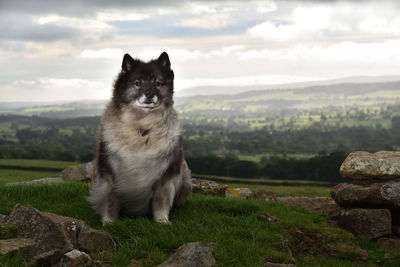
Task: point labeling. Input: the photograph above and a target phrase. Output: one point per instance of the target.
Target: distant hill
(230, 90)
(341, 95)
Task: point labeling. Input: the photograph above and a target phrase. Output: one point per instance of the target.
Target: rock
(238, 192)
(321, 205)
(94, 240)
(368, 223)
(191, 254)
(271, 264)
(262, 194)
(267, 217)
(208, 187)
(75, 258)
(396, 229)
(3, 219)
(100, 264)
(389, 243)
(22, 245)
(55, 234)
(81, 172)
(370, 195)
(47, 258)
(361, 253)
(362, 165)
(48, 180)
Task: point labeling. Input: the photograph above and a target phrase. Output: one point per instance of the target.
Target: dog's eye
(158, 84)
(138, 83)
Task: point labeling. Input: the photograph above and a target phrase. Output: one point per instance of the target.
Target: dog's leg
(185, 188)
(103, 199)
(164, 194)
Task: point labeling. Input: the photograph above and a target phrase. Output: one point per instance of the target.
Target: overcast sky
(71, 50)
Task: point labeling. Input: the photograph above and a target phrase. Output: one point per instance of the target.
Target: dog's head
(144, 86)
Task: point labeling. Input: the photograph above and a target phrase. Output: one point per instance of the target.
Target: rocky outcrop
(368, 223)
(75, 258)
(238, 192)
(22, 245)
(48, 180)
(370, 207)
(81, 172)
(384, 195)
(389, 243)
(262, 194)
(208, 187)
(55, 235)
(362, 165)
(191, 254)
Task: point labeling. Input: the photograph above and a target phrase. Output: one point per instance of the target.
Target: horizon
(51, 52)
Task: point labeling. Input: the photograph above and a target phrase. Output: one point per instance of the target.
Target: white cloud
(106, 53)
(86, 24)
(328, 23)
(208, 21)
(265, 6)
(121, 15)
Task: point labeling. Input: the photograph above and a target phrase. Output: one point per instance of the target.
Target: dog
(139, 167)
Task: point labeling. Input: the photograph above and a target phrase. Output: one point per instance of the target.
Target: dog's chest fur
(140, 150)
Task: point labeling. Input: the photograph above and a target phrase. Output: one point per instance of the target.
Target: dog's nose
(149, 94)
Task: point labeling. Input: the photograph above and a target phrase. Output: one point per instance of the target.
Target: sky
(72, 50)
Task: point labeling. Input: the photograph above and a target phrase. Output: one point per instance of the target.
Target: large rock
(362, 165)
(368, 223)
(262, 194)
(22, 245)
(321, 205)
(55, 234)
(389, 243)
(208, 187)
(368, 195)
(81, 172)
(191, 254)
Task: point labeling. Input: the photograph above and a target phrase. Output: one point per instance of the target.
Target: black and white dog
(139, 165)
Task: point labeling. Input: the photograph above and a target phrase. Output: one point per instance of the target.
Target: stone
(396, 229)
(368, 223)
(23, 245)
(389, 243)
(361, 253)
(75, 258)
(271, 264)
(362, 165)
(262, 194)
(81, 172)
(321, 205)
(267, 217)
(191, 254)
(208, 187)
(94, 240)
(47, 258)
(238, 192)
(55, 234)
(100, 264)
(48, 180)
(369, 195)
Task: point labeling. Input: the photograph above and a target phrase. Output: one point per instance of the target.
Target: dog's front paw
(163, 221)
(106, 220)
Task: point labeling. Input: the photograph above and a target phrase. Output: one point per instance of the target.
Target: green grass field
(10, 175)
(36, 163)
(242, 239)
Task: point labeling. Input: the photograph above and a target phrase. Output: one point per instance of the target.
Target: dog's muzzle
(148, 101)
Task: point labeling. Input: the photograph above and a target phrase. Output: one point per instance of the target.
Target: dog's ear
(127, 63)
(163, 60)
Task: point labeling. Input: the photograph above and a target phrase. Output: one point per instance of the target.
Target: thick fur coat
(139, 163)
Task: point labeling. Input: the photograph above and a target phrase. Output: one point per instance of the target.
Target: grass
(257, 157)
(36, 163)
(242, 239)
(11, 175)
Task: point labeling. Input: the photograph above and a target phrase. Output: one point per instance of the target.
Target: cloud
(105, 53)
(207, 21)
(330, 23)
